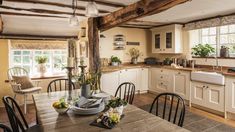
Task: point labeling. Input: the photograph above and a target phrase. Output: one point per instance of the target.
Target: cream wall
(132, 35)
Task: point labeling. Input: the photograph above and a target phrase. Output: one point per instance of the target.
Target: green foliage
(88, 78)
(202, 50)
(115, 59)
(134, 53)
(116, 103)
(41, 59)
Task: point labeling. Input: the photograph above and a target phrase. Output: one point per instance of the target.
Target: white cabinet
(181, 80)
(160, 80)
(208, 95)
(230, 94)
(167, 39)
(143, 79)
(110, 82)
(130, 75)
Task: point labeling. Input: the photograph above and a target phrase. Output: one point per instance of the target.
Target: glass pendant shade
(91, 9)
(73, 20)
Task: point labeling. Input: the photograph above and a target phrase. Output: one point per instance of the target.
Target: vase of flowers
(41, 60)
(135, 54)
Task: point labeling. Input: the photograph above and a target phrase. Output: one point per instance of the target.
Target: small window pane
(223, 39)
(17, 52)
(17, 59)
(224, 29)
(212, 31)
(26, 59)
(64, 52)
(46, 52)
(57, 52)
(205, 31)
(205, 40)
(231, 39)
(26, 52)
(38, 52)
(232, 29)
(212, 40)
(27, 68)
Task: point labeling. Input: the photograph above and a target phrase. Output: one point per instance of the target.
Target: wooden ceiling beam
(1, 24)
(136, 10)
(53, 4)
(23, 14)
(40, 11)
(26, 36)
(106, 3)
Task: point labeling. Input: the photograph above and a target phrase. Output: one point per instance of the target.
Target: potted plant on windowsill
(203, 50)
(115, 61)
(135, 54)
(41, 60)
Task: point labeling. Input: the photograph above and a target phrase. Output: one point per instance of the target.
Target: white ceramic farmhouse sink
(208, 77)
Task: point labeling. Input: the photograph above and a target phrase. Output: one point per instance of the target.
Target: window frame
(218, 36)
(32, 65)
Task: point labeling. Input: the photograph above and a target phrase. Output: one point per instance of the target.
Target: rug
(197, 123)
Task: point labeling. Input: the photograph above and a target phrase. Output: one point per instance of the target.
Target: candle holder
(70, 82)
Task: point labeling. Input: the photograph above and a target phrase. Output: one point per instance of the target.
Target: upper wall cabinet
(167, 39)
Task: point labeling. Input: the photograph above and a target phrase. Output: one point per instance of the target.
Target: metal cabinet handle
(161, 76)
(163, 49)
(161, 83)
(203, 86)
(161, 70)
(179, 73)
(207, 86)
(160, 49)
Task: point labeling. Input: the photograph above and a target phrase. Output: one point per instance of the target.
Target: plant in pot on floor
(41, 60)
(115, 61)
(135, 54)
(203, 50)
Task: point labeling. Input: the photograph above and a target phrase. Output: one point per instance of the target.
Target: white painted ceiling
(189, 11)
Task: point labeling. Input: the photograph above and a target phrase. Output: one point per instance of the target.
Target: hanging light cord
(74, 6)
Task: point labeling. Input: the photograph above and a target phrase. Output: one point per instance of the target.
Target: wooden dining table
(135, 119)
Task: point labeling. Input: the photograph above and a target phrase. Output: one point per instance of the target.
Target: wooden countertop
(51, 121)
(201, 68)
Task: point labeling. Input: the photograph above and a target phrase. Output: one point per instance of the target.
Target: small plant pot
(86, 90)
(134, 61)
(120, 109)
(42, 69)
(115, 63)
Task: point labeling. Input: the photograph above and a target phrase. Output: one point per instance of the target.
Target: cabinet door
(215, 97)
(230, 94)
(153, 73)
(110, 82)
(130, 75)
(182, 84)
(198, 94)
(157, 42)
(144, 79)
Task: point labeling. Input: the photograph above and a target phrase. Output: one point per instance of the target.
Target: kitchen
(190, 55)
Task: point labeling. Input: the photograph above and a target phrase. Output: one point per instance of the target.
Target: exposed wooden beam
(33, 15)
(1, 24)
(93, 40)
(40, 11)
(106, 3)
(53, 4)
(136, 10)
(41, 37)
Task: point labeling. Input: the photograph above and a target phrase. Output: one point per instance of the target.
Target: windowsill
(214, 57)
(47, 76)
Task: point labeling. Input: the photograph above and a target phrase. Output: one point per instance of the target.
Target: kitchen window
(57, 59)
(219, 36)
(23, 53)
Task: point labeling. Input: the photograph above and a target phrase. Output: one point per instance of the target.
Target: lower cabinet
(230, 94)
(181, 84)
(110, 82)
(208, 95)
(138, 76)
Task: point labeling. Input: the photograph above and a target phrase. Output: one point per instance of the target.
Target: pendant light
(73, 20)
(91, 9)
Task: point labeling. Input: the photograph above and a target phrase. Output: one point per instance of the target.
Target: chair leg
(25, 104)
(15, 97)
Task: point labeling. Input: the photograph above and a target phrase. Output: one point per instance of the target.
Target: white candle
(70, 61)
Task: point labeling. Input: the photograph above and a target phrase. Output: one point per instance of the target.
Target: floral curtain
(219, 21)
(37, 44)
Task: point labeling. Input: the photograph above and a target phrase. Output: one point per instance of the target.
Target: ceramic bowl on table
(88, 111)
(61, 110)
